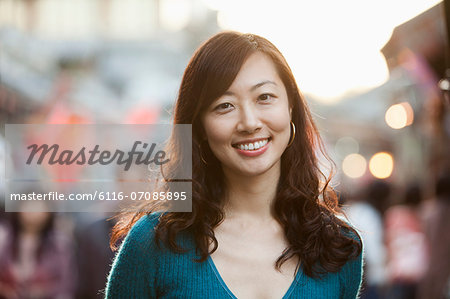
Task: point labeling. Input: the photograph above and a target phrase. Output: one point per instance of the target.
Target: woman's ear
(290, 112)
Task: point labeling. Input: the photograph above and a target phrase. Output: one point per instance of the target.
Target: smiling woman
(264, 221)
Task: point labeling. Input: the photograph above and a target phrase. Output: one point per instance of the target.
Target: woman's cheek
(279, 119)
(219, 134)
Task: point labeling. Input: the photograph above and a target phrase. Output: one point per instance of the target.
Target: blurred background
(375, 74)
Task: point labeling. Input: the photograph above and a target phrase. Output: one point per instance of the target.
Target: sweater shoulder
(142, 232)
(133, 273)
(146, 222)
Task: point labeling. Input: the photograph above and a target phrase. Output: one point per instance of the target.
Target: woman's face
(248, 128)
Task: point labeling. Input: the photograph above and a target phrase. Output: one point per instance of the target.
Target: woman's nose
(249, 120)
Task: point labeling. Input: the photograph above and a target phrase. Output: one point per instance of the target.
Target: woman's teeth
(252, 146)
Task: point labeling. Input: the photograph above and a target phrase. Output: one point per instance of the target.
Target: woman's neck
(251, 196)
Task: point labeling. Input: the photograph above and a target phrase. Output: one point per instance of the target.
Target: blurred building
(84, 61)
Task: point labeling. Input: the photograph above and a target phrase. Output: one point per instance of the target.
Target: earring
(203, 160)
(293, 134)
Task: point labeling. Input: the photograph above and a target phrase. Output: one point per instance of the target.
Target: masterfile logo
(94, 156)
(98, 168)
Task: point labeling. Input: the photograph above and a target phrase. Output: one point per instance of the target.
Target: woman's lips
(253, 149)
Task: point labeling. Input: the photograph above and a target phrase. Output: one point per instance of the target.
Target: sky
(333, 47)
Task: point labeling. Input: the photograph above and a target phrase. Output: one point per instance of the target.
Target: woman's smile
(252, 148)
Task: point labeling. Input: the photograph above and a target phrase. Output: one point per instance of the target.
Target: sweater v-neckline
(291, 288)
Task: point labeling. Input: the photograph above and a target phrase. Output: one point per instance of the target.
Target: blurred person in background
(366, 215)
(436, 282)
(94, 257)
(407, 245)
(36, 260)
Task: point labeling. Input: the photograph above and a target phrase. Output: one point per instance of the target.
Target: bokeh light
(381, 165)
(354, 165)
(399, 116)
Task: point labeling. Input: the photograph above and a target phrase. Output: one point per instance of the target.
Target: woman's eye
(223, 106)
(265, 97)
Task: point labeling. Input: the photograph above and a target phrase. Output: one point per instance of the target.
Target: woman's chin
(252, 170)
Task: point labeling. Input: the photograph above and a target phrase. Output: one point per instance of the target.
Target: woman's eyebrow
(261, 84)
(256, 86)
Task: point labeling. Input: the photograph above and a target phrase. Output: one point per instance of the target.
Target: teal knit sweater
(142, 270)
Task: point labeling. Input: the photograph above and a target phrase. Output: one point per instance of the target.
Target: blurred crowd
(406, 244)
(54, 255)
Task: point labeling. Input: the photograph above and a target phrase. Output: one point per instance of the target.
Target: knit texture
(142, 270)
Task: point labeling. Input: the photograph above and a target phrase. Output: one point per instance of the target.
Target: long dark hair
(305, 205)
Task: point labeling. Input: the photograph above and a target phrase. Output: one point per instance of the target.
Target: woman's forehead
(258, 70)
